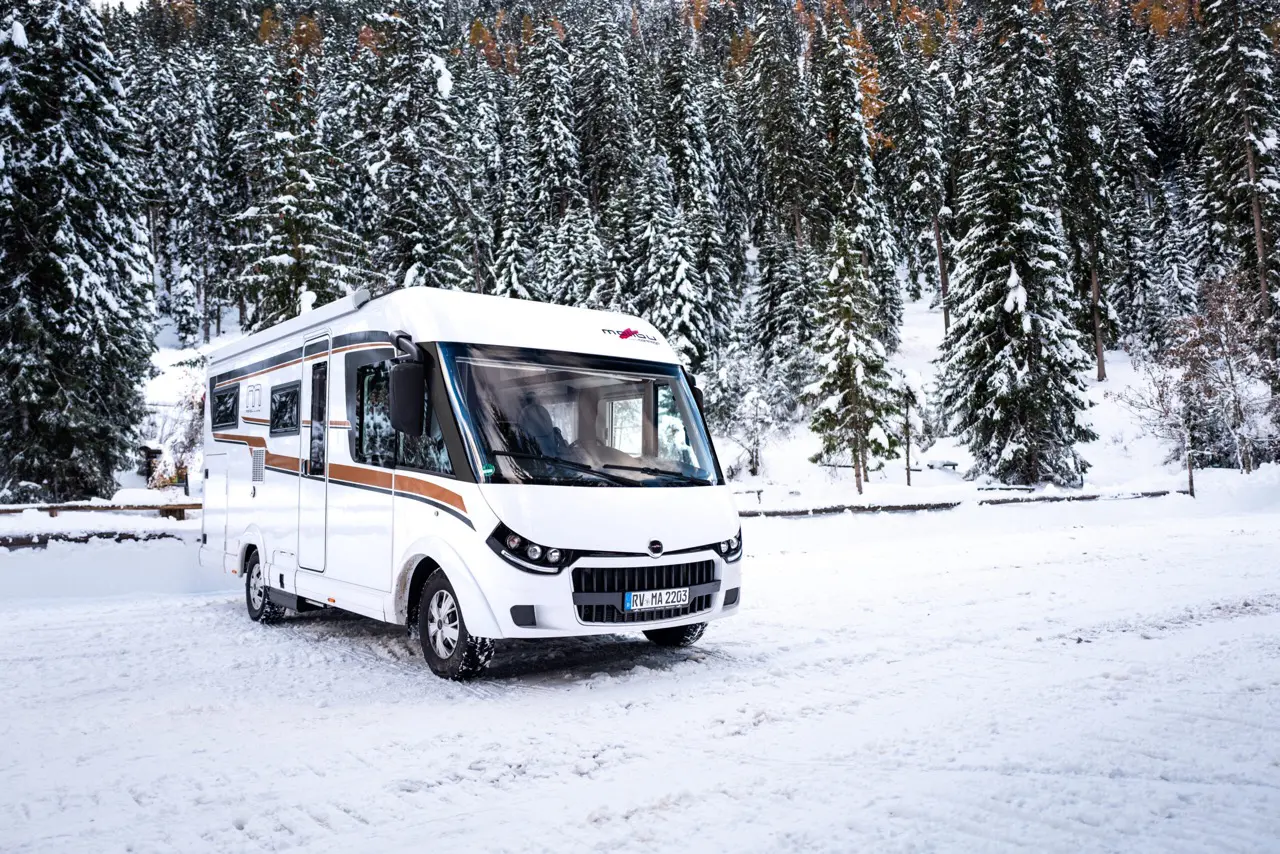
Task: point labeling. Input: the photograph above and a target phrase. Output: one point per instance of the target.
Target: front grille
(631, 579)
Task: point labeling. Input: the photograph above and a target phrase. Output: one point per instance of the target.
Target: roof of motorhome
(432, 314)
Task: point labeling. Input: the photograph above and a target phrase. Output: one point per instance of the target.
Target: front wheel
(451, 651)
(261, 608)
(677, 635)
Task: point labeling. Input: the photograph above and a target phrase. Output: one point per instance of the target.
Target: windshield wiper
(569, 464)
(687, 478)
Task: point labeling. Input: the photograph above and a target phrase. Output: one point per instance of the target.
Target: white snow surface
(1066, 677)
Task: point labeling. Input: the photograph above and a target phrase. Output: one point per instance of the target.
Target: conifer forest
(768, 181)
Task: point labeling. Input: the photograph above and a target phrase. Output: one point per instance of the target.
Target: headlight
(731, 549)
(525, 554)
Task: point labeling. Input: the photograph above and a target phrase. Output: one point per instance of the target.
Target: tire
(677, 636)
(261, 608)
(451, 651)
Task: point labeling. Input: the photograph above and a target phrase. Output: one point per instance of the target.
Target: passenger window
(284, 408)
(375, 438)
(426, 452)
(226, 407)
(673, 439)
(623, 419)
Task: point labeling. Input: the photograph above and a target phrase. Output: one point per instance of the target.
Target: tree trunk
(1191, 468)
(906, 423)
(857, 467)
(1096, 297)
(943, 280)
(1259, 239)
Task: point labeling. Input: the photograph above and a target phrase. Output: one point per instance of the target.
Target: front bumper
(560, 610)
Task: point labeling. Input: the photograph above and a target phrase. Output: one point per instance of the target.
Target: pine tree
(782, 145)
(913, 96)
(546, 86)
(667, 290)
(606, 116)
(294, 242)
(855, 197)
(782, 315)
(1087, 204)
(1230, 95)
(854, 396)
(1012, 357)
(513, 274)
(75, 312)
(418, 176)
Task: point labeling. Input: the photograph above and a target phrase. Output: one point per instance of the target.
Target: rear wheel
(677, 635)
(261, 608)
(451, 651)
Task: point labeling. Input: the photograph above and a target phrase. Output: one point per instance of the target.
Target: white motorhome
(471, 467)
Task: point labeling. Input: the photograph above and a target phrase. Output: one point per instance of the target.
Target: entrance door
(314, 484)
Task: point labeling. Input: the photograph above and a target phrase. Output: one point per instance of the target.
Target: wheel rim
(257, 589)
(442, 623)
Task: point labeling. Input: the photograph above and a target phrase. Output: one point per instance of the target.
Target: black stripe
(439, 505)
(296, 353)
(289, 356)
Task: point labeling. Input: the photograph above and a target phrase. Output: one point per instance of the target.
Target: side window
(622, 424)
(284, 408)
(319, 407)
(426, 452)
(226, 407)
(375, 440)
(673, 439)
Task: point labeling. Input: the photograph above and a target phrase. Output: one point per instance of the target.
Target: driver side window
(428, 451)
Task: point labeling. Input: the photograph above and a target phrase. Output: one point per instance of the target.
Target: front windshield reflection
(539, 416)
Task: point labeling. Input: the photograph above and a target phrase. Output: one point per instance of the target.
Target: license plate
(645, 600)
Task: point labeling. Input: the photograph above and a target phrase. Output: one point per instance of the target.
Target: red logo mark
(628, 332)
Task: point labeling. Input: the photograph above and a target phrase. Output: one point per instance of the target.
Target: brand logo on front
(655, 548)
(630, 333)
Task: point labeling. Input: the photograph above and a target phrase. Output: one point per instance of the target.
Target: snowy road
(1053, 678)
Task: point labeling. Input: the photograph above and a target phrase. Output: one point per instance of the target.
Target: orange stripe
(381, 478)
(263, 421)
(251, 441)
(281, 461)
(426, 489)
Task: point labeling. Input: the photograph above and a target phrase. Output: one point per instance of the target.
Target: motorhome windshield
(545, 417)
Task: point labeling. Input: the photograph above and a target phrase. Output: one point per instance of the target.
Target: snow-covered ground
(1068, 677)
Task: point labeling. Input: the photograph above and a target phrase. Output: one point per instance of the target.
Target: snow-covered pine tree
(546, 86)
(667, 290)
(576, 266)
(76, 316)
(854, 400)
(606, 115)
(513, 272)
(1012, 360)
(783, 309)
(1230, 94)
(782, 144)
(415, 157)
(294, 243)
(913, 96)
(194, 204)
(687, 143)
(1132, 170)
(854, 196)
(1084, 92)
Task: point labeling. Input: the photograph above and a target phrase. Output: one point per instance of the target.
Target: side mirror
(408, 397)
(697, 398)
